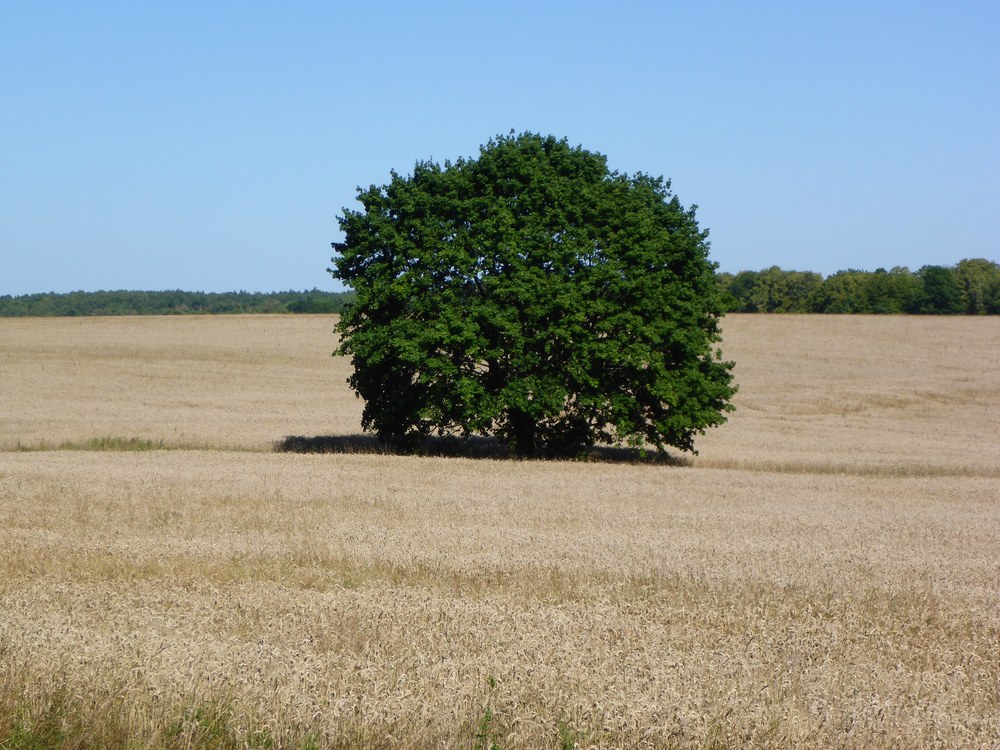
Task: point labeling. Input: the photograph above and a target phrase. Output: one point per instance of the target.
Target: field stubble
(825, 574)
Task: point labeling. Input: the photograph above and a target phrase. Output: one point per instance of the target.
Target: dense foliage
(970, 287)
(533, 295)
(170, 303)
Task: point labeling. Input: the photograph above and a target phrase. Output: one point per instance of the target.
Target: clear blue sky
(211, 145)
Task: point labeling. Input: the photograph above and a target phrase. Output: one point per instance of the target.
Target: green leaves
(533, 295)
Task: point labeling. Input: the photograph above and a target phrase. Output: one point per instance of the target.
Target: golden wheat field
(825, 574)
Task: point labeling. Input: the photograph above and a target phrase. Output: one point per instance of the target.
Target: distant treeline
(971, 287)
(171, 303)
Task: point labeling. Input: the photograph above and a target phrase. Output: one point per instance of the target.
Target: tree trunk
(523, 427)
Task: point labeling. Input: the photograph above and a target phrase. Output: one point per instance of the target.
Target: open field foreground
(826, 574)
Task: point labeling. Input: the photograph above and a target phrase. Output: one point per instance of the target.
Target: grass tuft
(893, 471)
(116, 444)
(107, 443)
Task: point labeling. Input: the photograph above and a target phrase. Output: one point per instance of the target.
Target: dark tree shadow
(473, 447)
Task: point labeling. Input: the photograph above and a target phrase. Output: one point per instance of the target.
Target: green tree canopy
(739, 291)
(979, 282)
(939, 293)
(783, 291)
(843, 292)
(533, 295)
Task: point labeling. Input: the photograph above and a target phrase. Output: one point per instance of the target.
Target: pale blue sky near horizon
(211, 146)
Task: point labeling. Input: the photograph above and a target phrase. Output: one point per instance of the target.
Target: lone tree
(533, 295)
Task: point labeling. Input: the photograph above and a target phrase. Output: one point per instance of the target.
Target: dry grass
(230, 381)
(815, 578)
(862, 394)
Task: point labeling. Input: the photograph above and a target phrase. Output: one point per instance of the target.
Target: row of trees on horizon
(970, 287)
(82, 304)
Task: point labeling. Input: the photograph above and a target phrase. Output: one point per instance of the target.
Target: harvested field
(825, 574)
